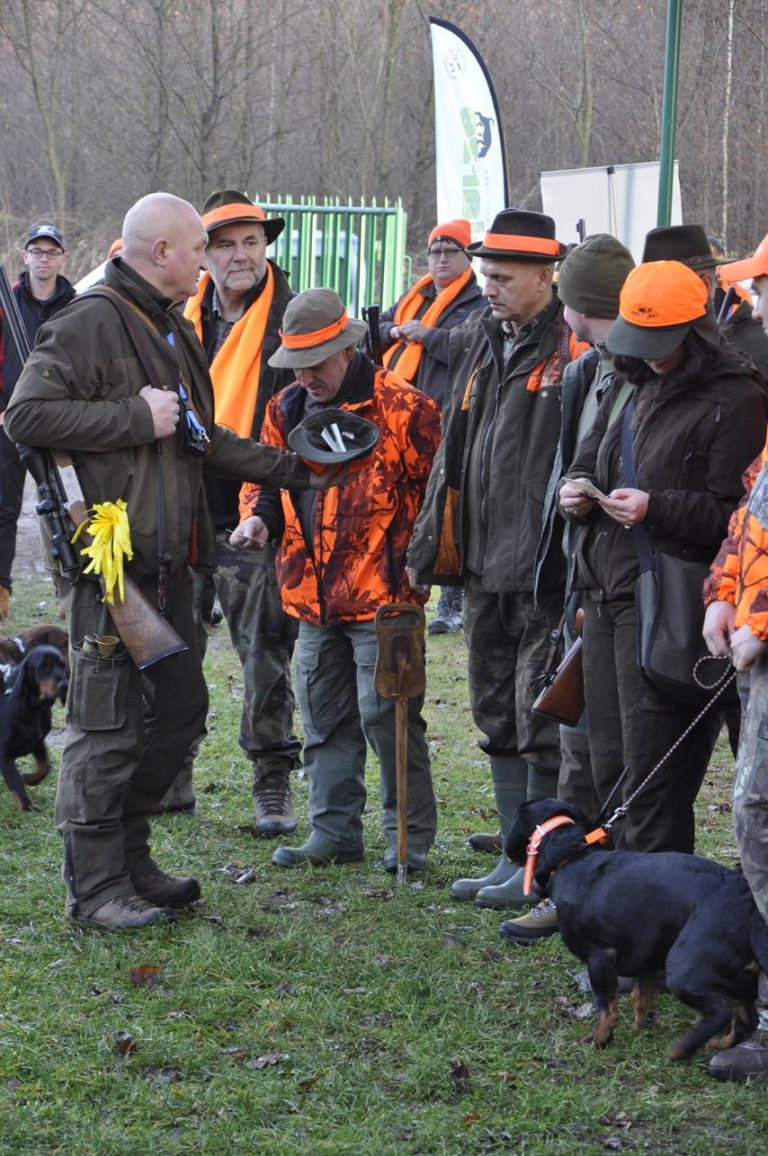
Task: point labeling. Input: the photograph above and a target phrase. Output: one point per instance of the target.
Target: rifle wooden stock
(562, 699)
(144, 632)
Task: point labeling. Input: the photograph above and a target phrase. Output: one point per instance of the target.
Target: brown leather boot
(5, 599)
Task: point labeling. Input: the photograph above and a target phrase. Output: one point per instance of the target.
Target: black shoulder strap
(642, 539)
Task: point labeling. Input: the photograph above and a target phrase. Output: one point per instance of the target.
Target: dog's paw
(22, 803)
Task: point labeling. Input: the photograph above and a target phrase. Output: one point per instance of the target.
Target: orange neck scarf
(236, 367)
(407, 354)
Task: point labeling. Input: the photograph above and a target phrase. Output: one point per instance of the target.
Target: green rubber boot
(510, 786)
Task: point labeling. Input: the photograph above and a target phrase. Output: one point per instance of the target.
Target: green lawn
(325, 1011)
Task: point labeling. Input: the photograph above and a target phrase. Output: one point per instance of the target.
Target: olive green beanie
(591, 276)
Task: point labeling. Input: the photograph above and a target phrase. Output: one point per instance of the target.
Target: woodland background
(101, 102)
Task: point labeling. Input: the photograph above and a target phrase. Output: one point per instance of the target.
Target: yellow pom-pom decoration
(111, 534)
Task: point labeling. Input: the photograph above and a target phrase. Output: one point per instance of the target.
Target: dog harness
(599, 835)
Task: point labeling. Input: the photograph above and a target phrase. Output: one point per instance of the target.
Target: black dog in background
(627, 913)
(29, 691)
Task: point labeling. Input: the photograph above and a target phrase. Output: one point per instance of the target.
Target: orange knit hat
(458, 231)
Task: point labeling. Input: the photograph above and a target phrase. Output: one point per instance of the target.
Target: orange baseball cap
(755, 266)
(659, 303)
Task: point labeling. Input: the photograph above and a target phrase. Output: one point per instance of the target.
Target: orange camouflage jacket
(356, 559)
(739, 573)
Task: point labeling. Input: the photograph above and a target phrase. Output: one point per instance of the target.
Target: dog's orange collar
(599, 835)
(534, 842)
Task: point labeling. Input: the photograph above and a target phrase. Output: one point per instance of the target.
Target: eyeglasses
(45, 254)
(443, 252)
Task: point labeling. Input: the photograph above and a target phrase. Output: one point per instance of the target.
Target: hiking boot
(5, 599)
(416, 861)
(538, 923)
(124, 913)
(180, 799)
(489, 844)
(448, 615)
(747, 1061)
(317, 852)
(164, 890)
(273, 802)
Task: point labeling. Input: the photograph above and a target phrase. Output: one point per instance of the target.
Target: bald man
(138, 421)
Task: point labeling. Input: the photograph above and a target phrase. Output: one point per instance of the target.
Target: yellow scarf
(407, 354)
(236, 367)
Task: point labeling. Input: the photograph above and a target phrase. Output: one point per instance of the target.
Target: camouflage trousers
(750, 784)
(263, 636)
(508, 641)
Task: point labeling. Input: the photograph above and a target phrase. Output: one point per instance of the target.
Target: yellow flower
(111, 543)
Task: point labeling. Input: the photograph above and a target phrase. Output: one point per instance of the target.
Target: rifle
(144, 632)
(562, 690)
(373, 337)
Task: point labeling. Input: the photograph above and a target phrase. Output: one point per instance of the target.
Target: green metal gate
(358, 250)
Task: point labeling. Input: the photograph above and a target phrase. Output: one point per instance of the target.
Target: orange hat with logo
(458, 231)
(755, 266)
(660, 302)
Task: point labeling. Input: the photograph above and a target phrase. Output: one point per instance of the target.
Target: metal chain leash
(717, 688)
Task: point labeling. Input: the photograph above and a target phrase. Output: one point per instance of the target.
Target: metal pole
(669, 110)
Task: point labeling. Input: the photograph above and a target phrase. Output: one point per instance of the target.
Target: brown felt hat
(516, 235)
(229, 207)
(315, 326)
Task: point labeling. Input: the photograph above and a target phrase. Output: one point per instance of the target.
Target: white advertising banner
(469, 144)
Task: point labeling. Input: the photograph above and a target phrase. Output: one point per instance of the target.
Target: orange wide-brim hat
(229, 207)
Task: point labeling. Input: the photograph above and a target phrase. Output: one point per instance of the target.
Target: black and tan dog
(29, 690)
(626, 913)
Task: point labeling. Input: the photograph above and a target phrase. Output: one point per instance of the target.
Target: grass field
(325, 1011)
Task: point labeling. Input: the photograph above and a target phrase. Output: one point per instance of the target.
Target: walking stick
(399, 674)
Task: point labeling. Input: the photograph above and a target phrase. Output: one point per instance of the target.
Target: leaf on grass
(232, 1050)
(617, 1120)
(493, 955)
(382, 960)
(124, 1043)
(146, 975)
(613, 1143)
(377, 893)
(239, 873)
(334, 909)
(476, 988)
(572, 1012)
(308, 1082)
(451, 940)
(270, 1058)
(508, 1077)
(179, 1015)
(285, 990)
(470, 1118)
(161, 1075)
(355, 990)
(459, 1075)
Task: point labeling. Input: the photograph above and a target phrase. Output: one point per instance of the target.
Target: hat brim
(272, 226)
(305, 358)
(479, 249)
(647, 344)
(745, 270)
(305, 439)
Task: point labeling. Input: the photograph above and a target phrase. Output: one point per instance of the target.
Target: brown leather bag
(562, 697)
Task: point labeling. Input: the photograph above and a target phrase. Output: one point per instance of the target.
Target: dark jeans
(12, 475)
(632, 724)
